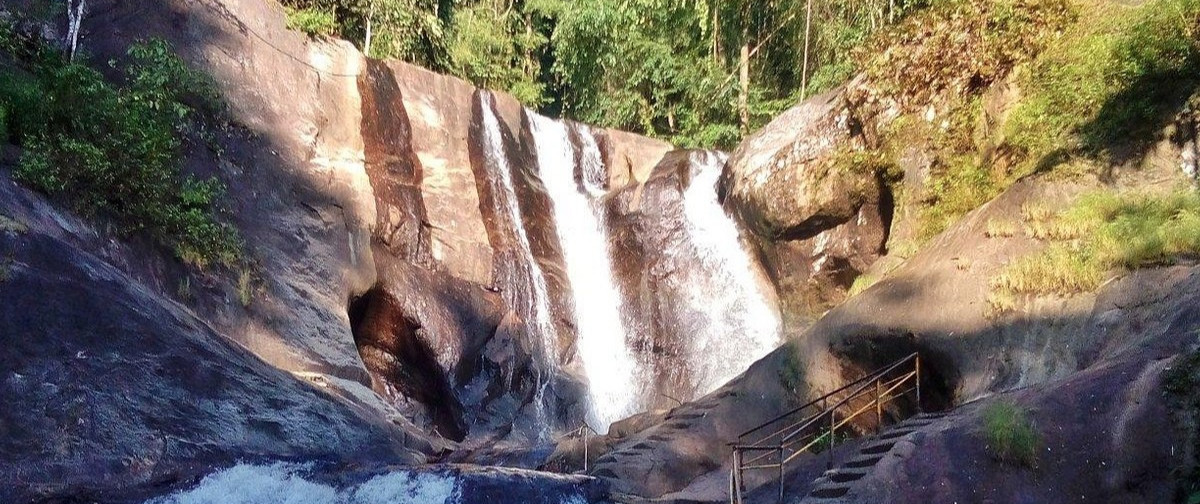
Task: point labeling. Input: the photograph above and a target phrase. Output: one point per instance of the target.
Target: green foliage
(1102, 231)
(666, 68)
(1108, 84)
(114, 149)
(1011, 436)
(314, 22)
(791, 373)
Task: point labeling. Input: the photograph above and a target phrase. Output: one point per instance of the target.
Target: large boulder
(818, 204)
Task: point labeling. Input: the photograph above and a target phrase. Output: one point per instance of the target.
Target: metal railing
(814, 426)
(582, 434)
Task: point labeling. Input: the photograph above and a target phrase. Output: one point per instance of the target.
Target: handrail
(582, 432)
(813, 402)
(811, 430)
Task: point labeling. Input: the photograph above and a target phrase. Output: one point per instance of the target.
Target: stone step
(863, 462)
(846, 476)
(878, 448)
(830, 492)
(895, 433)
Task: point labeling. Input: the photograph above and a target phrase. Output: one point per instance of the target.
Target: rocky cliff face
(429, 262)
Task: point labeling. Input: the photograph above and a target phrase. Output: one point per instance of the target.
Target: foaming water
(607, 361)
(287, 484)
(741, 324)
(533, 303)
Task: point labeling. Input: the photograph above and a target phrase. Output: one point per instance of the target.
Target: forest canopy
(666, 68)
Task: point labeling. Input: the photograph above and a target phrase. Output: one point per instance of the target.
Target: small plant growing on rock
(1011, 436)
(245, 287)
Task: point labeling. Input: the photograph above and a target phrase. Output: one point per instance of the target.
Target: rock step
(878, 448)
(896, 433)
(846, 476)
(863, 462)
(830, 492)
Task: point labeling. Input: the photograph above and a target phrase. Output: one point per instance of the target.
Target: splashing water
(607, 361)
(741, 326)
(534, 304)
(283, 483)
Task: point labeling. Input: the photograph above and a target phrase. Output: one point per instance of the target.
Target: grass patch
(246, 287)
(312, 21)
(1102, 231)
(862, 283)
(10, 225)
(1011, 435)
(114, 149)
(1000, 228)
(791, 373)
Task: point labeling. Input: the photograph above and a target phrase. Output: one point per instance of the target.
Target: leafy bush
(115, 149)
(1011, 436)
(1109, 82)
(315, 22)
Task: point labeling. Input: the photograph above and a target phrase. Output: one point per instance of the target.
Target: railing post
(781, 474)
(920, 408)
(832, 435)
(878, 409)
(583, 433)
(737, 476)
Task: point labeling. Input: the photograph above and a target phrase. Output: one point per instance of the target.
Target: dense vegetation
(666, 68)
(115, 149)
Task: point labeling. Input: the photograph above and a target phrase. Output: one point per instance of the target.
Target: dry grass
(10, 225)
(246, 287)
(1101, 232)
(1000, 228)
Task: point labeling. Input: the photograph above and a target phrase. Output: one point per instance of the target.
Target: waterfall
(579, 218)
(741, 325)
(533, 304)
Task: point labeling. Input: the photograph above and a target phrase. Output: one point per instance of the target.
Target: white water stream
(741, 326)
(607, 361)
(533, 304)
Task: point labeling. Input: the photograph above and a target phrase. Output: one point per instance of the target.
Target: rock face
(819, 209)
(693, 293)
(1089, 369)
(120, 387)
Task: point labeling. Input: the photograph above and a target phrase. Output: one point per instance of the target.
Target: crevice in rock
(887, 210)
(939, 376)
(401, 362)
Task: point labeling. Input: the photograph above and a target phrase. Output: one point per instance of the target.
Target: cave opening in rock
(939, 377)
(402, 364)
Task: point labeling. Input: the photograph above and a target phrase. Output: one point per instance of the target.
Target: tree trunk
(744, 88)
(807, 44)
(75, 13)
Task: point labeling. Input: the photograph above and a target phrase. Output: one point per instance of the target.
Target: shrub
(114, 150)
(312, 21)
(1011, 436)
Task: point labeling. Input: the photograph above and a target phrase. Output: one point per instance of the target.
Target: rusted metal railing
(808, 428)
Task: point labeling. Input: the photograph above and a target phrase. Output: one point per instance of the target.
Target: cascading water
(740, 325)
(533, 303)
(607, 361)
